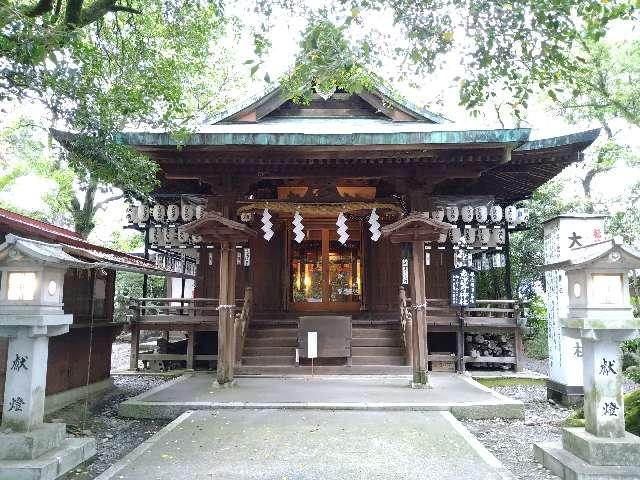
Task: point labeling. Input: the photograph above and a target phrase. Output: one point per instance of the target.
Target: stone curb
(138, 451)
(485, 454)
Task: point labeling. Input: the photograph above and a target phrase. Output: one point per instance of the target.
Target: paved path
(310, 445)
(460, 395)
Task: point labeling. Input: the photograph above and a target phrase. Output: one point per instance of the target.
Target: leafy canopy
(515, 46)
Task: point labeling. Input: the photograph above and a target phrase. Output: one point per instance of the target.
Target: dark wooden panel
(383, 276)
(4, 346)
(437, 273)
(69, 358)
(267, 260)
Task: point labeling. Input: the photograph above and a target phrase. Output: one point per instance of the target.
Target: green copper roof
(332, 133)
(587, 137)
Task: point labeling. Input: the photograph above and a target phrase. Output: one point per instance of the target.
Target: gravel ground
(511, 440)
(115, 436)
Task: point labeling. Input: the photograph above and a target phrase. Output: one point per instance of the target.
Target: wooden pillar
(190, 340)
(519, 349)
(226, 331)
(135, 346)
(419, 330)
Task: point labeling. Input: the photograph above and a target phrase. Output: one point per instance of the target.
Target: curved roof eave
(440, 136)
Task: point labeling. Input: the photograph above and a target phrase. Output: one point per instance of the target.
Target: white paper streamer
(267, 226)
(342, 228)
(298, 227)
(374, 227)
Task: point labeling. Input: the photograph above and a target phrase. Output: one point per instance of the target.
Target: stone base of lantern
(44, 453)
(582, 456)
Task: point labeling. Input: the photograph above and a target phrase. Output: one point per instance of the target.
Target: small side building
(80, 360)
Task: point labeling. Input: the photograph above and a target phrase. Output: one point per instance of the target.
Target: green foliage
(633, 373)
(129, 285)
(536, 341)
(526, 247)
(326, 62)
(632, 412)
(512, 47)
(100, 67)
(576, 419)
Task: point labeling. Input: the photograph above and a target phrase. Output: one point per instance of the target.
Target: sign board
(312, 344)
(463, 286)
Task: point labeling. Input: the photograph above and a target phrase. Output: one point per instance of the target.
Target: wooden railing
(242, 321)
(179, 314)
(485, 315)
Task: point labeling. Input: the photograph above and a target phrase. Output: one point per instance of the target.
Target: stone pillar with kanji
(600, 317)
(562, 235)
(32, 277)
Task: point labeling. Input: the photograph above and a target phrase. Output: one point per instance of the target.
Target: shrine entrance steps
(270, 348)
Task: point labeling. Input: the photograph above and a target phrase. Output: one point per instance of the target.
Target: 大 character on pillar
(600, 315)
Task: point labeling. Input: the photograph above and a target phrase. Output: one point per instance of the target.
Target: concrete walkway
(458, 394)
(310, 445)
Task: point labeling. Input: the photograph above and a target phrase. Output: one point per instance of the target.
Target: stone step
(256, 351)
(271, 342)
(374, 333)
(378, 360)
(269, 360)
(395, 341)
(324, 370)
(376, 351)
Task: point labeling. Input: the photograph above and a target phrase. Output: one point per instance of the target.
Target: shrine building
(344, 216)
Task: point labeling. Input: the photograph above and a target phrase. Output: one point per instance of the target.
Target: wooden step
(271, 342)
(377, 351)
(257, 351)
(325, 370)
(378, 360)
(395, 341)
(267, 360)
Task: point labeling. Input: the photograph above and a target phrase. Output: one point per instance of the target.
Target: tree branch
(40, 8)
(102, 203)
(122, 8)
(100, 8)
(73, 13)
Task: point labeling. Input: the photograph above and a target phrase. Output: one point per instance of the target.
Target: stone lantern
(31, 286)
(601, 316)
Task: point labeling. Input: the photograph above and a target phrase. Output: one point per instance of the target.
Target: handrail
(187, 307)
(242, 320)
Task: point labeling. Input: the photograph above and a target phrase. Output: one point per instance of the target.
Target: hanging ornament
(455, 234)
(267, 226)
(298, 227)
(158, 213)
(199, 212)
(470, 236)
(452, 213)
(154, 234)
(143, 213)
(438, 213)
(341, 223)
(132, 214)
(511, 214)
(481, 213)
(187, 212)
(522, 216)
(183, 237)
(173, 212)
(467, 214)
(495, 213)
(484, 235)
(374, 225)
